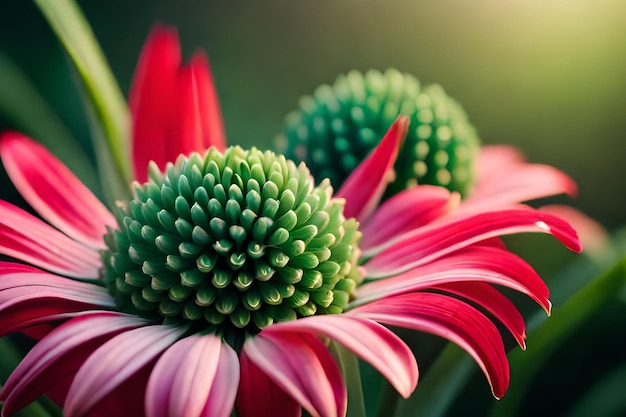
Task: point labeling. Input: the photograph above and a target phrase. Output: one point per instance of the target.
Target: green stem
(350, 368)
(545, 339)
(108, 103)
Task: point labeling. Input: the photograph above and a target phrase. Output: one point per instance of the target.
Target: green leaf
(349, 365)
(28, 111)
(605, 398)
(112, 127)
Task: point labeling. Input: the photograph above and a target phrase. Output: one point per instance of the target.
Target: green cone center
(333, 130)
(232, 242)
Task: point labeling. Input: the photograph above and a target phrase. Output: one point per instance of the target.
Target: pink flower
(125, 327)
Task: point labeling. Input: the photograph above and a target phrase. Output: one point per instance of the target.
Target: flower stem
(350, 368)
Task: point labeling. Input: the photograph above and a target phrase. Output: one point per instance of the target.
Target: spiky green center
(339, 125)
(232, 242)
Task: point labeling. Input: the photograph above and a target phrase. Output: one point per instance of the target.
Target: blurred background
(548, 77)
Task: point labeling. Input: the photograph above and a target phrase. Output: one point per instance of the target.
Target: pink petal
(258, 396)
(199, 121)
(184, 377)
(152, 100)
(594, 237)
(493, 302)
(51, 189)
(60, 354)
(515, 184)
(404, 212)
(33, 298)
(25, 237)
(368, 340)
(114, 362)
(480, 263)
(451, 319)
(493, 159)
(365, 186)
(301, 366)
(224, 390)
(442, 238)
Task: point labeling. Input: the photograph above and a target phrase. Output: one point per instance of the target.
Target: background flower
(545, 77)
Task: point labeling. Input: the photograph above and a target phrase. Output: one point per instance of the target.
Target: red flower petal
(368, 340)
(404, 212)
(51, 189)
(365, 186)
(152, 100)
(199, 125)
(434, 241)
(175, 109)
(451, 319)
(480, 263)
(27, 238)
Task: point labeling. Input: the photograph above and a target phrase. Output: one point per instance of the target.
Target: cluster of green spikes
(232, 241)
(338, 126)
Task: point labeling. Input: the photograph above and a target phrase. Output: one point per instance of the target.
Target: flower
(337, 126)
(222, 282)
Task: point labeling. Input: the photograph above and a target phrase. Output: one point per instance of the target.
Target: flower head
(336, 127)
(219, 285)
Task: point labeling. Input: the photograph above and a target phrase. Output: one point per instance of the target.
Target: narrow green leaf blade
(109, 107)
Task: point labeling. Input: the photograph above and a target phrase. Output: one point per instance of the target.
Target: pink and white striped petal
(451, 319)
(224, 389)
(114, 362)
(152, 101)
(25, 237)
(27, 299)
(60, 354)
(404, 212)
(370, 341)
(442, 238)
(478, 263)
(363, 189)
(303, 367)
(53, 191)
(185, 376)
(259, 396)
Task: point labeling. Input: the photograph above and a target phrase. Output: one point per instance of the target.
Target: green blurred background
(548, 77)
